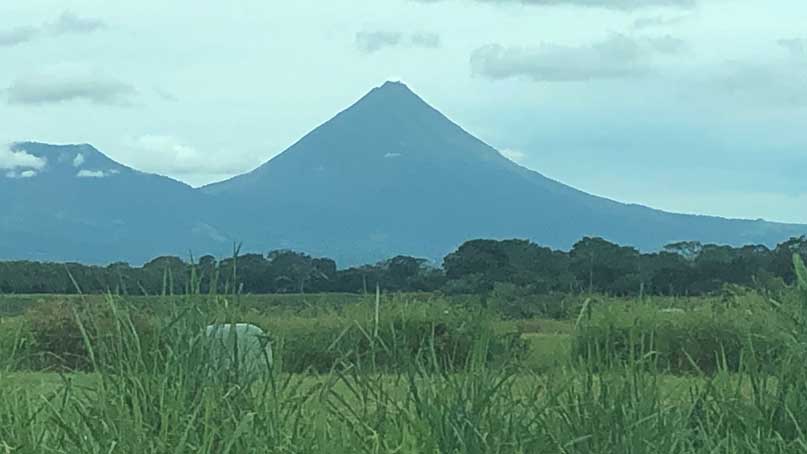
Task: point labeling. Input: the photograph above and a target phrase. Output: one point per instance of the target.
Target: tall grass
(152, 392)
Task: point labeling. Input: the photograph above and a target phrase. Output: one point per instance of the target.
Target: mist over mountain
(389, 175)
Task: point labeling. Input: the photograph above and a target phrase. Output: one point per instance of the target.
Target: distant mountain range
(390, 175)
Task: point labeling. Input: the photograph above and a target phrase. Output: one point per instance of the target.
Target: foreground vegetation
(719, 375)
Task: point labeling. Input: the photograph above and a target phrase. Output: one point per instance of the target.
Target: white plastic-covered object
(242, 348)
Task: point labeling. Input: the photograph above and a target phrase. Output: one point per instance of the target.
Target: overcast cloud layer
(668, 103)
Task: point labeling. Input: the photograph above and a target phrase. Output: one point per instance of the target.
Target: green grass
(480, 412)
(148, 389)
(547, 351)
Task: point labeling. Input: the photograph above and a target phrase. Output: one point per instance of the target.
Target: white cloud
(513, 155)
(21, 174)
(18, 159)
(392, 155)
(78, 160)
(84, 173)
(169, 155)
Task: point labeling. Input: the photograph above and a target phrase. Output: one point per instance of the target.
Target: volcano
(389, 175)
(393, 175)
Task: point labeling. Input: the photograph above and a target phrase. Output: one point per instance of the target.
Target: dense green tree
(602, 266)
(477, 266)
(689, 250)
(782, 258)
(166, 274)
(484, 263)
(478, 257)
(293, 271)
(666, 273)
(207, 273)
(255, 272)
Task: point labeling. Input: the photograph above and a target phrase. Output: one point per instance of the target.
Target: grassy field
(128, 375)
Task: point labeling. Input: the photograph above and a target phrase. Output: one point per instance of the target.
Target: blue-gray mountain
(79, 205)
(390, 175)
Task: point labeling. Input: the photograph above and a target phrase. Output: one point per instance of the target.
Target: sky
(695, 106)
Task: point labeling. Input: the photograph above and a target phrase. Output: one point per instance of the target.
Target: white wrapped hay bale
(242, 349)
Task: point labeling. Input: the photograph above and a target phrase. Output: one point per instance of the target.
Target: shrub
(57, 337)
(433, 331)
(15, 343)
(315, 339)
(515, 302)
(681, 341)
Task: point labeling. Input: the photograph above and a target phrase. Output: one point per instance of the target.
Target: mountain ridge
(388, 175)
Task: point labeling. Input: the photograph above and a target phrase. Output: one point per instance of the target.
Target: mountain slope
(78, 204)
(392, 175)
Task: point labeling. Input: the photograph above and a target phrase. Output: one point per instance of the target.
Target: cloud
(513, 155)
(78, 160)
(68, 22)
(658, 21)
(795, 46)
(667, 45)
(617, 57)
(17, 36)
(758, 85)
(165, 95)
(427, 40)
(12, 159)
(58, 87)
(90, 174)
(392, 155)
(370, 42)
(83, 173)
(168, 155)
(21, 174)
(625, 5)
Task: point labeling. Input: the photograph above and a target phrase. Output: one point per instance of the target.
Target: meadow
(415, 373)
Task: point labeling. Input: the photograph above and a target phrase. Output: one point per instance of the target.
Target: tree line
(476, 267)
